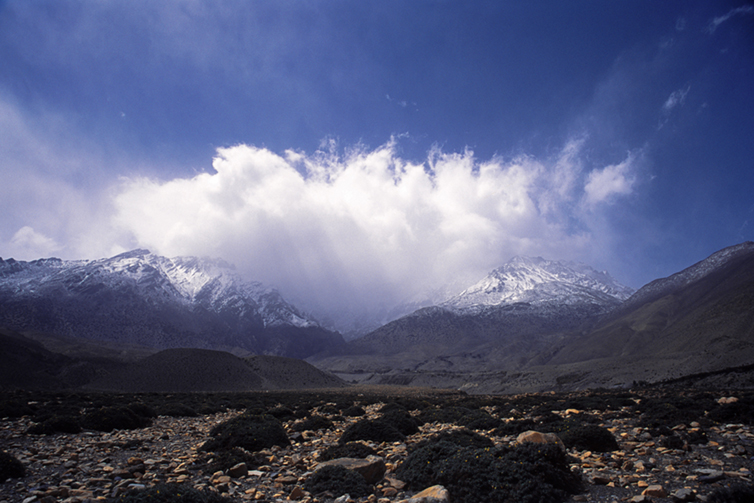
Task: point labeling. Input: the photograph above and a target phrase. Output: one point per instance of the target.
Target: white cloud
(27, 242)
(368, 227)
(744, 9)
(603, 185)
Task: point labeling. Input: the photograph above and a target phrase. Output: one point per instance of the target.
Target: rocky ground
(704, 455)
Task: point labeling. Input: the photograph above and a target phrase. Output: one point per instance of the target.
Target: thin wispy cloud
(738, 11)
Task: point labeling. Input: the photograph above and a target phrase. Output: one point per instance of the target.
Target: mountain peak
(536, 280)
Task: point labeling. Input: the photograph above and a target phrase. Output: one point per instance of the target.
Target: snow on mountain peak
(211, 283)
(537, 280)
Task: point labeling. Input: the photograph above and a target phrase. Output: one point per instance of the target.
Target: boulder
(372, 468)
(540, 438)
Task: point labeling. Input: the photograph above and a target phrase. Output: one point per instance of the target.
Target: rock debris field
(378, 445)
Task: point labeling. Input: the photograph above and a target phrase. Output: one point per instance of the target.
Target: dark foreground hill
(27, 364)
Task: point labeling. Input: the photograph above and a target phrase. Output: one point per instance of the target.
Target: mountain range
(145, 299)
(531, 324)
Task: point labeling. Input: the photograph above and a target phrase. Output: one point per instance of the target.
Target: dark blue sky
(632, 123)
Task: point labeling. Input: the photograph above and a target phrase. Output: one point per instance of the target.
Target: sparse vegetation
(171, 493)
(314, 422)
(248, 431)
(530, 473)
(337, 481)
(371, 429)
(113, 418)
(10, 467)
(347, 450)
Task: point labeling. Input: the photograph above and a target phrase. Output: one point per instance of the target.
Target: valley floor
(94, 465)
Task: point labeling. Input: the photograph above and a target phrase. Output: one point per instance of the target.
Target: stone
(398, 484)
(600, 479)
(540, 438)
(297, 493)
(434, 494)
(656, 491)
(372, 468)
(239, 470)
(684, 494)
(389, 492)
(640, 499)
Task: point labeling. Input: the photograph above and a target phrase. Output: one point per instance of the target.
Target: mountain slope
(146, 299)
(517, 313)
(698, 320)
(705, 312)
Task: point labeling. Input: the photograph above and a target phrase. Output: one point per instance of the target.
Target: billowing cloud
(366, 228)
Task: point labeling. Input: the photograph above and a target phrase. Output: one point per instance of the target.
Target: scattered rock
(539, 438)
(656, 491)
(682, 495)
(434, 494)
(239, 470)
(372, 468)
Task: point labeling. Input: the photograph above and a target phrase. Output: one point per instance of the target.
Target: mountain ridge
(142, 298)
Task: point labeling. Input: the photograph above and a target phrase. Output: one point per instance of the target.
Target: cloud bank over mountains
(367, 226)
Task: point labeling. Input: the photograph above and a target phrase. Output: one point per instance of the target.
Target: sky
(356, 154)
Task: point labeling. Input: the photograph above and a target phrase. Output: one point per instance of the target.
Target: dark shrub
(329, 409)
(447, 415)
(738, 493)
(371, 429)
(401, 420)
(347, 450)
(459, 438)
(314, 422)
(671, 442)
(224, 459)
(13, 409)
(171, 493)
(143, 410)
(354, 411)
(338, 481)
(515, 427)
(10, 467)
(673, 410)
(113, 418)
(738, 412)
(251, 432)
(56, 424)
(390, 406)
(175, 409)
(420, 468)
(479, 420)
(589, 438)
(530, 473)
(282, 413)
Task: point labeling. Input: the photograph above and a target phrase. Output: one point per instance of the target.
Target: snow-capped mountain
(152, 300)
(536, 281)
